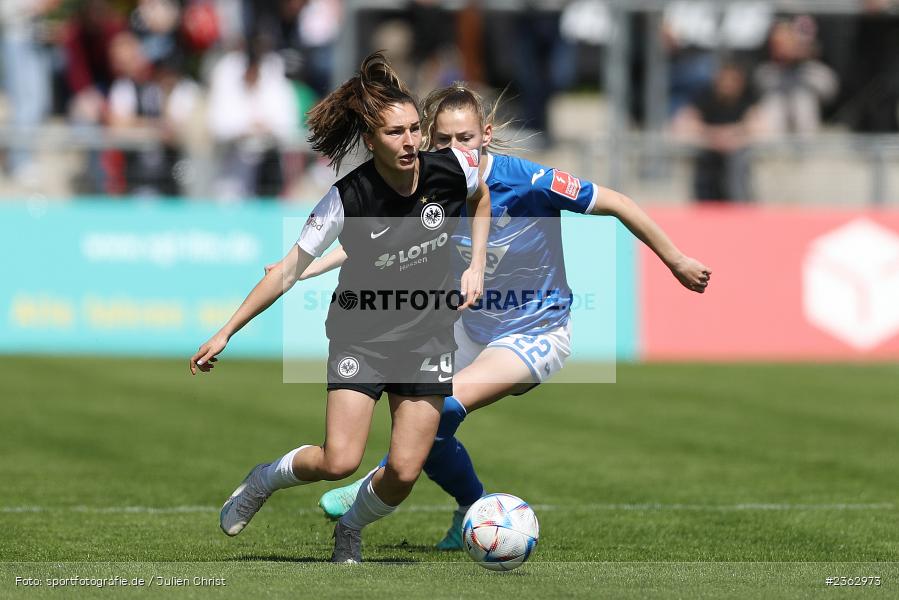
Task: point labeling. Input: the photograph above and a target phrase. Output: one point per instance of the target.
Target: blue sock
(448, 465)
(450, 468)
(450, 418)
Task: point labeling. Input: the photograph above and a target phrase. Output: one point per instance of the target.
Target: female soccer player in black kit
(393, 215)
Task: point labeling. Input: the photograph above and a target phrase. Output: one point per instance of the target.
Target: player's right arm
(330, 261)
(564, 191)
(277, 280)
(321, 229)
(691, 273)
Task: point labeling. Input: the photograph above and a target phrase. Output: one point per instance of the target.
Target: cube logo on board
(850, 283)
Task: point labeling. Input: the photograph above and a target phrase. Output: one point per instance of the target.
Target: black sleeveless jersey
(396, 283)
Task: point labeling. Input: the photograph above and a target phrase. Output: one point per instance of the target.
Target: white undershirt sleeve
(468, 160)
(323, 225)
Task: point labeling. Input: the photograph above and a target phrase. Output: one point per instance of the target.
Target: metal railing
(650, 154)
(55, 139)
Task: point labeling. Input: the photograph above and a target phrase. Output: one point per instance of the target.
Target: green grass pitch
(679, 481)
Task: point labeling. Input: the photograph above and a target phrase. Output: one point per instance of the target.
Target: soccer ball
(500, 532)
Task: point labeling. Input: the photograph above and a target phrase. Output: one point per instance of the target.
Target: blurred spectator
(156, 22)
(693, 31)
(89, 72)
(281, 23)
(434, 50)
(26, 72)
(319, 25)
(303, 32)
(792, 82)
(470, 41)
(201, 25)
(143, 97)
(689, 37)
(544, 61)
(722, 120)
(875, 101)
(396, 38)
(439, 69)
(423, 59)
(252, 114)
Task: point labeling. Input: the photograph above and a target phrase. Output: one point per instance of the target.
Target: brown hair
(460, 96)
(339, 120)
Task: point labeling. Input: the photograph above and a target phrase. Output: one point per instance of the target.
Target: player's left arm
(477, 197)
(692, 274)
(472, 280)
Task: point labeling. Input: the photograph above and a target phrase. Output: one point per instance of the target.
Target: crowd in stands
(238, 73)
(754, 75)
(234, 78)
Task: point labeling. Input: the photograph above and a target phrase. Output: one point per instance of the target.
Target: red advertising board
(787, 284)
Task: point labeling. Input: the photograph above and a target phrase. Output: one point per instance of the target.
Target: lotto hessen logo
(414, 255)
(385, 260)
(566, 184)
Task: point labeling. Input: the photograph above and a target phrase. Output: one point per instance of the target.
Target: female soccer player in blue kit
(367, 355)
(524, 253)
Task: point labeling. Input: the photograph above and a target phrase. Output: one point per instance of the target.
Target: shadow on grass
(407, 547)
(308, 559)
(275, 558)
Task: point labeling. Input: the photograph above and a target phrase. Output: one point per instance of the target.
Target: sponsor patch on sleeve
(471, 156)
(566, 184)
(313, 222)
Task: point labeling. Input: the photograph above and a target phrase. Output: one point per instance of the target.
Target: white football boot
(244, 502)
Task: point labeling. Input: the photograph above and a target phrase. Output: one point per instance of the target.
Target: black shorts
(422, 367)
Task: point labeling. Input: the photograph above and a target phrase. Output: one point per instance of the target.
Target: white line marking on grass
(440, 508)
(109, 509)
(144, 509)
(716, 507)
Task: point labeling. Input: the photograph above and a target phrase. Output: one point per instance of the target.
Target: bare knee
(337, 466)
(403, 473)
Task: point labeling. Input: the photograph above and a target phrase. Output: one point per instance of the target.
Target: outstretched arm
(330, 261)
(277, 280)
(692, 274)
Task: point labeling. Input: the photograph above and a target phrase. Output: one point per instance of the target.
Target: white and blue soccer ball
(500, 532)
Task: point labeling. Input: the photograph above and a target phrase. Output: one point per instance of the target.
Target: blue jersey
(525, 288)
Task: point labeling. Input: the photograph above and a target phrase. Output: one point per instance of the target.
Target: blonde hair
(460, 96)
(337, 122)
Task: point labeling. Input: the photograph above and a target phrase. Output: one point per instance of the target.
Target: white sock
(370, 474)
(279, 474)
(366, 509)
